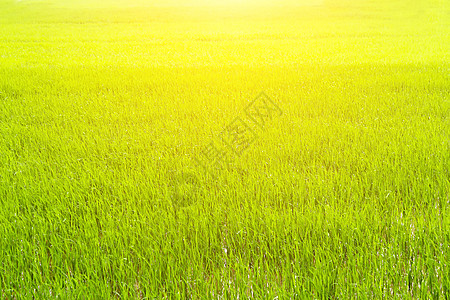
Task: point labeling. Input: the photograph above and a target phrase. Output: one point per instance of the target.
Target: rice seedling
(339, 188)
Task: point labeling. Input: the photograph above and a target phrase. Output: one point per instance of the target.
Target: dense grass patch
(346, 194)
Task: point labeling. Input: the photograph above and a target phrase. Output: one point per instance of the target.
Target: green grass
(105, 108)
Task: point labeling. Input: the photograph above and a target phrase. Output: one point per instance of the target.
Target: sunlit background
(180, 2)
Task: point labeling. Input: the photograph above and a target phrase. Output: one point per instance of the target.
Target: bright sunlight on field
(224, 150)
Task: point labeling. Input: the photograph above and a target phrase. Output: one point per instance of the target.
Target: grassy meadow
(106, 109)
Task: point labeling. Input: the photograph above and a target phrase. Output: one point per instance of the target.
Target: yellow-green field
(107, 112)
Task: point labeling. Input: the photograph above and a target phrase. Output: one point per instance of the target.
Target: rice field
(182, 150)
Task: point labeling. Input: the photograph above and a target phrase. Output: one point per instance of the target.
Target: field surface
(289, 151)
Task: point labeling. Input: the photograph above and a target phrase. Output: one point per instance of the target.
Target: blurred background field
(346, 194)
